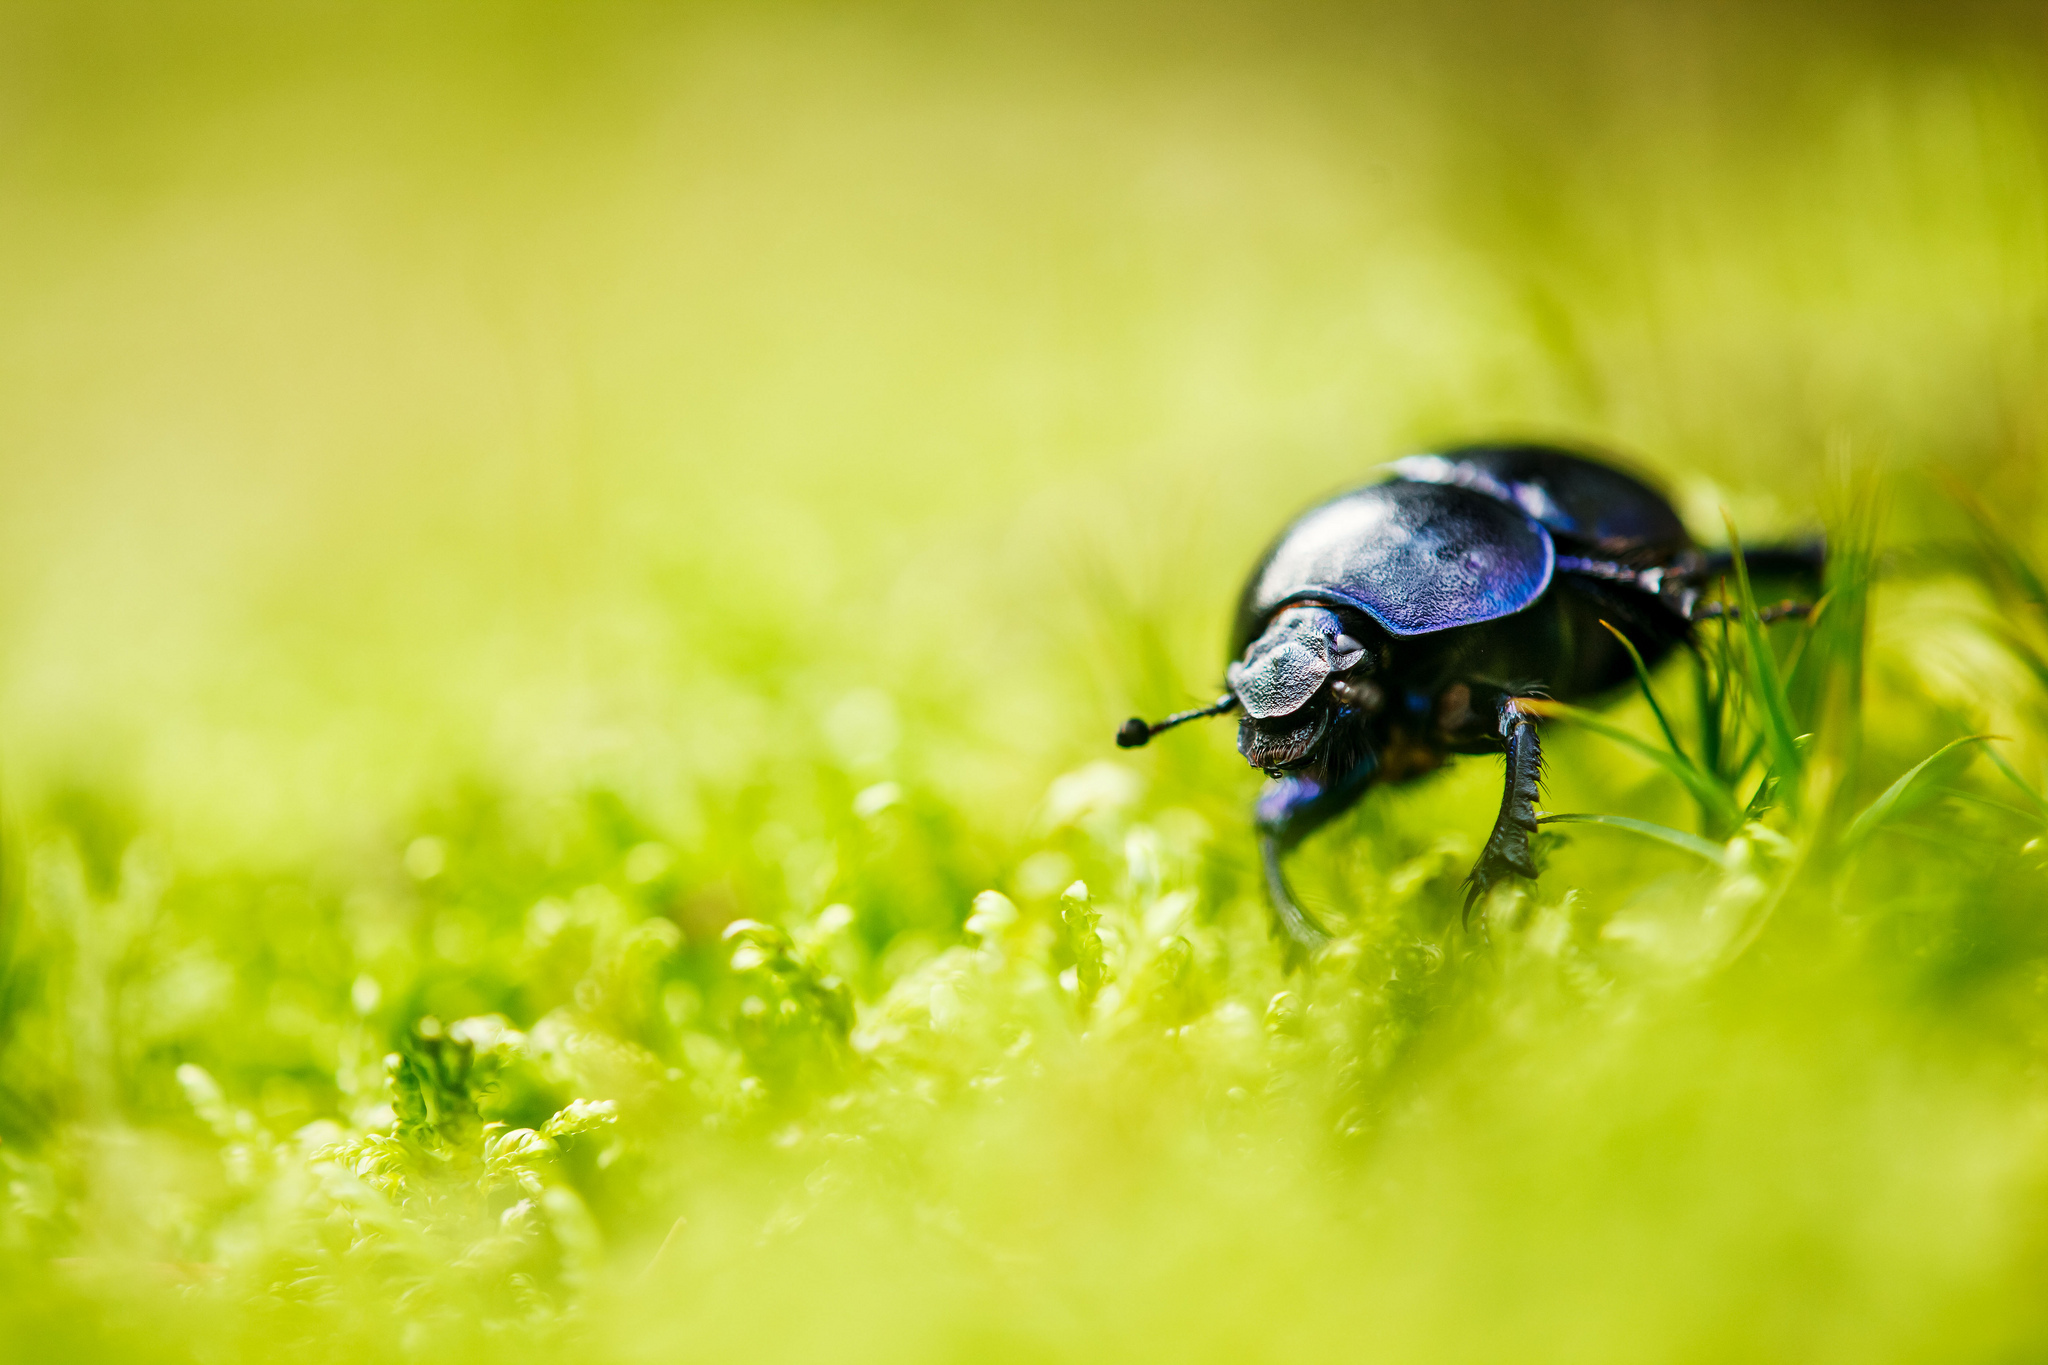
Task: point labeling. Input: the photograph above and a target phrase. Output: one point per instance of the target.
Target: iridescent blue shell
(1415, 557)
(1593, 505)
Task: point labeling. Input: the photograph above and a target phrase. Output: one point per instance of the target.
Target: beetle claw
(1478, 885)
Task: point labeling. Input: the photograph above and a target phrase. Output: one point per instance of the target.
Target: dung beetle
(1408, 620)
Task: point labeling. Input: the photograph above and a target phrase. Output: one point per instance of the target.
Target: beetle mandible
(1402, 622)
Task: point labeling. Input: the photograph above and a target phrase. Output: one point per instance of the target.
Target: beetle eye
(1344, 644)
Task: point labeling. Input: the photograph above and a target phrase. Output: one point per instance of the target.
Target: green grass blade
(1643, 681)
(1770, 684)
(1763, 798)
(1707, 697)
(1894, 798)
(1677, 838)
(1802, 649)
(1734, 714)
(1984, 802)
(1704, 788)
(2034, 798)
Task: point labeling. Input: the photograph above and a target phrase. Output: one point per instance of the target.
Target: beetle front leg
(1299, 928)
(1288, 811)
(1507, 848)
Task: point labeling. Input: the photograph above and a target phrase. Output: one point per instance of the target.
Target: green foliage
(1083, 943)
(568, 576)
(676, 1114)
(1715, 795)
(1677, 838)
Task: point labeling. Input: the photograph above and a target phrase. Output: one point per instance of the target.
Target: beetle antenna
(1134, 733)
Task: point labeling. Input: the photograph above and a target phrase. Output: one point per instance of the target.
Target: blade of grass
(1802, 646)
(2034, 798)
(1705, 789)
(1891, 801)
(1952, 842)
(1676, 838)
(1833, 701)
(1734, 711)
(1770, 685)
(1708, 699)
(1989, 803)
(1763, 798)
(1643, 681)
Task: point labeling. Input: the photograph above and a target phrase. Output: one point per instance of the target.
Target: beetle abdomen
(1583, 499)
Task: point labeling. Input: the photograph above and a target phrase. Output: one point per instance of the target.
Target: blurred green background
(497, 492)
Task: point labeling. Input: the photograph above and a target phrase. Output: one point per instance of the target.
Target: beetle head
(1285, 684)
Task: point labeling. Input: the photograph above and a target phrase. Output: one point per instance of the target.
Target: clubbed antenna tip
(1134, 732)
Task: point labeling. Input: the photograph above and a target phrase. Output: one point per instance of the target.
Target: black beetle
(1399, 623)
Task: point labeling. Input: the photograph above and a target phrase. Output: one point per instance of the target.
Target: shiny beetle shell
(1415, 557)
(1592, 503)
(1456, 539)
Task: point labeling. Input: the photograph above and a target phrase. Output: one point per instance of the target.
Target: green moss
(568, 579)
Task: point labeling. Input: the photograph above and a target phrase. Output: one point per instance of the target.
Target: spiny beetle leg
(1507, 848)
(1301, 933)
(1289, 809)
